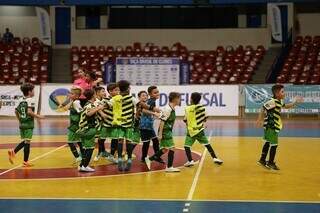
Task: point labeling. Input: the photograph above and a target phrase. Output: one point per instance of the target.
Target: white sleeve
(77, 106)
(269, 105)
(135, 101)
(31, 102)
(166, 113)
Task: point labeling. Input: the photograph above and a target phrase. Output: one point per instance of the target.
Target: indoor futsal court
(54, 184)
(159, 106)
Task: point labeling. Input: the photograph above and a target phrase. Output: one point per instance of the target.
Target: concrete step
(265, 65)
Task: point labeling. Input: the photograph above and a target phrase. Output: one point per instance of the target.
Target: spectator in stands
(86, 80)
(7, 36)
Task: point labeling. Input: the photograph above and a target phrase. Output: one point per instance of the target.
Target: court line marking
(150, 199)
(196, 177)
(34, 159)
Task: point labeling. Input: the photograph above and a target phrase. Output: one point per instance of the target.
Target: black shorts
(147, 135)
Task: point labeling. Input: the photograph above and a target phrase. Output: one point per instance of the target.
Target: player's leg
(13, 152)
(273, 150)
(134, 137)
(145, 143)
(113, 148)
(155, 144)
(170, 167)
(80, 145)
(189, 141)
(26, 149)
(202, 139)
(73, 150)
(264, 153)
(72, 138)
(88, 144)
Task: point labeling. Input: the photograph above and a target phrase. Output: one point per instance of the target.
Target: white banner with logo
(10, 95)
(44, 23)
(220, 100)
(53, 98)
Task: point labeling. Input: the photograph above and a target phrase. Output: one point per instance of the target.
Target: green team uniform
(99, 118)
(26, 122)
(106, 127)
(136, 125)
(272, 121)
(195, 117)
(87, 127)
(123, 115)
(74, 116)
(169, 117)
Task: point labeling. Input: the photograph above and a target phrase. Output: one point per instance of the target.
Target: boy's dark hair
(195, 97)
(276, 88)
(151, 88)
(141, 92)
(112, 86)
(88, 93)
(26, 88)
(98, 89)
(173, 95)
(124, 85)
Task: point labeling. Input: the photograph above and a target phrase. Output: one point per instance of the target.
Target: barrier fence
(220, 100)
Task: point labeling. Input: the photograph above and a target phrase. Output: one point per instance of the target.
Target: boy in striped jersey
(87, 129)
(100, 96)
(74, 115)
(195, 119)
(123, 107)
(270, 114)
(113, 90)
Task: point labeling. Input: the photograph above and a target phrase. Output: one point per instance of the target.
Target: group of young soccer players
(126, 121)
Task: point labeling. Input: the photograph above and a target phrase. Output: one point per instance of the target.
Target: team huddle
(127, 120)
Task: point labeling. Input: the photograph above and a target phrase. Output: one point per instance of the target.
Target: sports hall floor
(239, 185)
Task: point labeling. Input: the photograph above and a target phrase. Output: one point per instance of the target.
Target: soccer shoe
(86, 169)
(128, 167)
(217, 161)
(148, 162)
(190, 163)
(263, 163)
(272, 166)
(120, 164)
(27, 164)
(78, 159)
(89, 169)
(172, 169)
(11, 155)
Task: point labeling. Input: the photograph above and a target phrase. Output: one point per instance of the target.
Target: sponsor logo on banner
(53, 99)
(256, 95)
(58, 99)
(10, 96)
